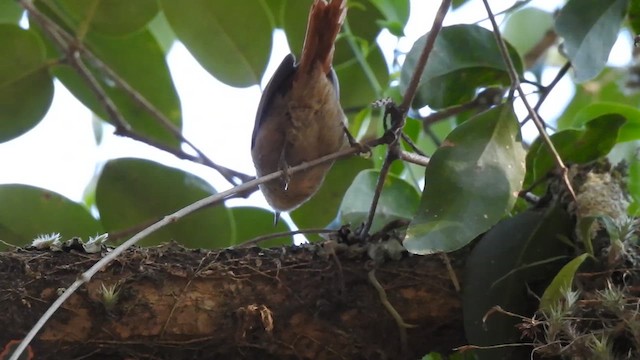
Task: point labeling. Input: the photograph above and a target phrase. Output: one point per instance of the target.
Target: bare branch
(547, 89)
(262, 238)
(531, 57)
(515, 83)
(70, 46)
(414, 158)
(410, 94)
(384, 171)
(398, 114)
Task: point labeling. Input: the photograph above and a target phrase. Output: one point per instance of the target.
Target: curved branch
(515, 83)
(73, 48)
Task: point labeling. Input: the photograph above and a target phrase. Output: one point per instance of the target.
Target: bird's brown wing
(278, 82)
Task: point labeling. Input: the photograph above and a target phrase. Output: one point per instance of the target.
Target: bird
(299, 117)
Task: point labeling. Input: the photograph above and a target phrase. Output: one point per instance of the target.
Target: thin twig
(414, 158)
(412, 145)
(410, 94)
(384, 171)
(393, 153)
(232, 176)
(446, 113)
(208, 201)
(484, 100)
(330, 248)
(123, 128)
(360, 57)
(532, 56)
(76, 62)
(452, 273)
(433, 136)
(398, 114)
(262, 238)
(65, 41)
(515, 83)
(546, 90)
(402, 325)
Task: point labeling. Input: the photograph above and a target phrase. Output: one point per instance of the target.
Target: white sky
(60, 154)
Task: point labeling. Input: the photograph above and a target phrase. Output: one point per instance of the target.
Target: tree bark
(285, 303)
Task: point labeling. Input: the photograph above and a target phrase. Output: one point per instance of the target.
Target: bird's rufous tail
(325, 21)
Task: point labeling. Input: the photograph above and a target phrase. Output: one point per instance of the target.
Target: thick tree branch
(209, 201)
(247, 186)
(286, 303)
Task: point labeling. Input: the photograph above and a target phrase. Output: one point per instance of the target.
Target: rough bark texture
(289, 303)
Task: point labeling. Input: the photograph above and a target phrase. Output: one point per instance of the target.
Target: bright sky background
(60, 154)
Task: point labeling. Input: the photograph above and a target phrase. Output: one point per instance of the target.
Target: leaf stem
(357, 51)
(84, 25)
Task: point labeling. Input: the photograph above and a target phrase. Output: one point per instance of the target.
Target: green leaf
(457, 3)
(295, 14)
(139, 60)
(10, 12)
(471, 182)
(574, 146)
(464, 58)
(517, 256)
(398, 200)
(432, 356)
(111, 17)
(28, 211)
(414, 129)
(526, 27)
(396, 13)
(379, 153)
(358, 123)
(440, 130)
(322, 208)
(590, 28)
(584, 232)
(230, 39)
(356, 90)
(634, 16)
(361, 17)
(276, 10)
(629, 131)
(133, 192)
(605, 88)
(561, 283)
(364, 20)
(633, 185)
(162, 31)
(252, 222)
(26, 88)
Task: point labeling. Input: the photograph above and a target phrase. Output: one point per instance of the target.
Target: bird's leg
(282, 165)
(362, 149)
(276, 218)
